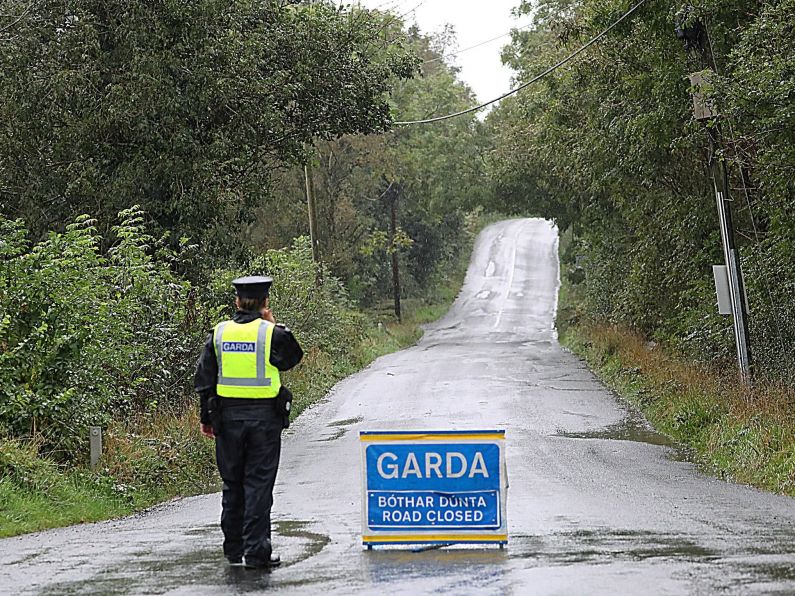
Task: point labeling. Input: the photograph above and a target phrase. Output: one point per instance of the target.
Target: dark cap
(254, 286)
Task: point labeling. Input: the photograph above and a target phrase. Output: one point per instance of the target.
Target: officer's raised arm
(286, 351)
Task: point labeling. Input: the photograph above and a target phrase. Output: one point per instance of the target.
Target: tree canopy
(152, 151)
(184, 108)
(608, 147)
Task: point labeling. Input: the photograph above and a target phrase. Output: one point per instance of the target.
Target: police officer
(244, 408)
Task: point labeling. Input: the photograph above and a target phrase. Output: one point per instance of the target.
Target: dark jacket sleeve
(206, 377)
(285, 351)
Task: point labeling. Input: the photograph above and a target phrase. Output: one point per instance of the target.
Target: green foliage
(181, 107)
(152, 459)
(89, 338)
(317, 308)
(85, 336)
(437, 172)
(608, 148)
(35, 494)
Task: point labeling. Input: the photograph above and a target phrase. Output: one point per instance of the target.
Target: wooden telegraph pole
(392, 195)
(311, 207)
(695, 39)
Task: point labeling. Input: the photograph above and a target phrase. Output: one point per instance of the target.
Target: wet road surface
(598, 502)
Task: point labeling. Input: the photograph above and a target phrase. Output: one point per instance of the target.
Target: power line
(536, 78)
(477, 45)
(393, 4)
(412, 10)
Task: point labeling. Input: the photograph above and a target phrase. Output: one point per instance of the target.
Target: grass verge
(742, 435)
(159, 457)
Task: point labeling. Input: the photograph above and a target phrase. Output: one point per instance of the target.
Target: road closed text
(433, 509)
(418, 509)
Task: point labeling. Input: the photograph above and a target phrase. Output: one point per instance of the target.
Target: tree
(183, 108)
(440, 168)
(607, 146)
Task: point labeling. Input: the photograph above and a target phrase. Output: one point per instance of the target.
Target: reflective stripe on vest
(243, 351)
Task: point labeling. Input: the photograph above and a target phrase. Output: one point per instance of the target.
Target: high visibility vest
(243, 351)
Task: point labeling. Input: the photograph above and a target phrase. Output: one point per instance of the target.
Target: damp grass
(147, 460)
(36, 494)
(740, 434)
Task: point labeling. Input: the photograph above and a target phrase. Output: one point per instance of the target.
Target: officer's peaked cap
(254, 286)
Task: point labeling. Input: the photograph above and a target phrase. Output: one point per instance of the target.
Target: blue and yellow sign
(432, 487)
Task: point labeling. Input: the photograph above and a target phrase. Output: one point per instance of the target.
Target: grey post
(95, 441)
(694, 36)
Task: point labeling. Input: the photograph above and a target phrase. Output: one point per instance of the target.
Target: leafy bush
(315, 306)
(320, 314)
(89, 337)
(86, 336)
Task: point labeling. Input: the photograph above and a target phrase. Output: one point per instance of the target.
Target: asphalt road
(598, 502)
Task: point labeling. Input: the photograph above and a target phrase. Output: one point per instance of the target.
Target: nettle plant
(86, 337)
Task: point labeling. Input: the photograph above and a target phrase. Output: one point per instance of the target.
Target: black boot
(254, 563)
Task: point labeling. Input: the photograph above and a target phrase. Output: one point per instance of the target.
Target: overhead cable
(393, 4)
(408, 12)
(536, 78)
(477, 45)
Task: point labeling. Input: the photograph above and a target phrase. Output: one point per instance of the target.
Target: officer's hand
(268, 315)
(207, 431)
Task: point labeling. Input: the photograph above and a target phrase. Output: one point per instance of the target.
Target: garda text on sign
(433, 487)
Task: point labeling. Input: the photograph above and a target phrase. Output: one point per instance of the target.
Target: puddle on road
(315, 542)
(633, 427)
(457, 570)
(340, 426)
(338, 434)
(773, 571)
(608, 547)
(27, 558)
(477, 567)
(201, 530)
(158, 572)
(731, 567)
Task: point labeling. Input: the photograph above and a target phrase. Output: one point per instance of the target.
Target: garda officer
(244, 408)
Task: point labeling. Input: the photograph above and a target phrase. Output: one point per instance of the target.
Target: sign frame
(417, 534)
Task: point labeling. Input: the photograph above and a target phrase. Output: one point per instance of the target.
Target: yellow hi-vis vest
(243, 351)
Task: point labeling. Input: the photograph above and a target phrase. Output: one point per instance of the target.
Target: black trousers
(247, 452)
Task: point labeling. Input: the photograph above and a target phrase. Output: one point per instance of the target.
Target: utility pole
(392, 197)
(311, 207)
(695, 39)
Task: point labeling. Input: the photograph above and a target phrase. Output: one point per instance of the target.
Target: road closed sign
(433, 487)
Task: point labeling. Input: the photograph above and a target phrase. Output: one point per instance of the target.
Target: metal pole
(696, 41)
(731, 256)
(95, 444)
